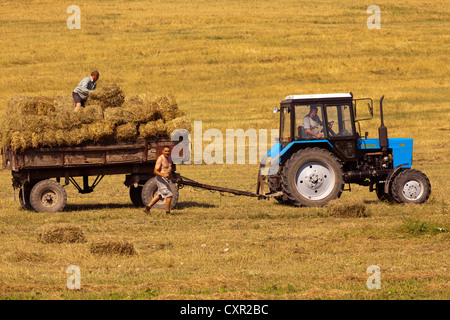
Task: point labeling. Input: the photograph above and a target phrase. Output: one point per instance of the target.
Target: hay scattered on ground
(346, 208)
(23, 256)
(33, 122)
(61, 234)
(108, 247)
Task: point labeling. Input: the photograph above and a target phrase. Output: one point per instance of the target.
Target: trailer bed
(104, 154)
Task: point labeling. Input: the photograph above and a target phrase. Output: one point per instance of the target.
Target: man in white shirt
(83, 89)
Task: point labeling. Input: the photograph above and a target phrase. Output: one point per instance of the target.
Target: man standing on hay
(83, 89)
(163, 172)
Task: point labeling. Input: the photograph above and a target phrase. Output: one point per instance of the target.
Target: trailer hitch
(183, 181)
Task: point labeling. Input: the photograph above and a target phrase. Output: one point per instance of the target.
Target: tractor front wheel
(312, 177)
(411, 186)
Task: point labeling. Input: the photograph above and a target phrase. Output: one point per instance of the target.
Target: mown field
(228, 63)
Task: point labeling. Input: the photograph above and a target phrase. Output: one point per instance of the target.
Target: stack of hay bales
(37, 121)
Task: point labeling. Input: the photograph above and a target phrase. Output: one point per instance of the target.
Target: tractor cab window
(308, 122)
(285, 124)
(339, 121)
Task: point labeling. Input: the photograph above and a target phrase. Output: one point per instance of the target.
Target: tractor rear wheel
(312, 177)
(411, 186)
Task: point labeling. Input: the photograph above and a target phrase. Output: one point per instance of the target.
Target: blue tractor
(321, 149)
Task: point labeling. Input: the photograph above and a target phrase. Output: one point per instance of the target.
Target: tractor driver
(311, 123)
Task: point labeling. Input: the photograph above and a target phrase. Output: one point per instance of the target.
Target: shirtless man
(163, 172)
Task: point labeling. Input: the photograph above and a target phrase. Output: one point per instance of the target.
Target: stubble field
(228, 63)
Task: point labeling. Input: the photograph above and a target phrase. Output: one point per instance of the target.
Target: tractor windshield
(308, 119)
(339, 121)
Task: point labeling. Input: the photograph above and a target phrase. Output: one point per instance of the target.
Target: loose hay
(34, 122)
(107, 247)
(61, 234)
(346, 209)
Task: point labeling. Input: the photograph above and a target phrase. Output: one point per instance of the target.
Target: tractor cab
(325, 119)
(321, 148)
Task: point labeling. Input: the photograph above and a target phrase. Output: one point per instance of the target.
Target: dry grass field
(228, 63)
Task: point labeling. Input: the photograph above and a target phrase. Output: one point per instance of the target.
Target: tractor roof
(313, 97)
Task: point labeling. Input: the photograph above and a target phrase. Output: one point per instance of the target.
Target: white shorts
(163, 187)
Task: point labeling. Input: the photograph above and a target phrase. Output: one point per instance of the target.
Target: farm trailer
(38, 172)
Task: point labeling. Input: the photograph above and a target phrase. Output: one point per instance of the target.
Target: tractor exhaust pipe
(382, 130)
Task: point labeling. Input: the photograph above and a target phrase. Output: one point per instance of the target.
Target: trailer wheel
(312, 177)
(48, 196)
(25, 202)
(149, 191)
(411, 186)
(382, 196)
(136, 196)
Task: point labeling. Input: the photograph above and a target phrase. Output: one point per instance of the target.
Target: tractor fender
(294, 146)
(390, 176)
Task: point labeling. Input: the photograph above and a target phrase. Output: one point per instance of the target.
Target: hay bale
(346, 208)
(142, 109)
(118, 115)
(108, 247)
(108, 96)
(21, 140)
(91, 113)
(65, 118)
(127, 131)
(153, 129)
(61, 234)
(178, 123)
(168, 108)
(76, 136)
(33, 122)
(100, 130)
(31, 105)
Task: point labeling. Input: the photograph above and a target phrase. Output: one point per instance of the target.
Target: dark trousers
(78, 99)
